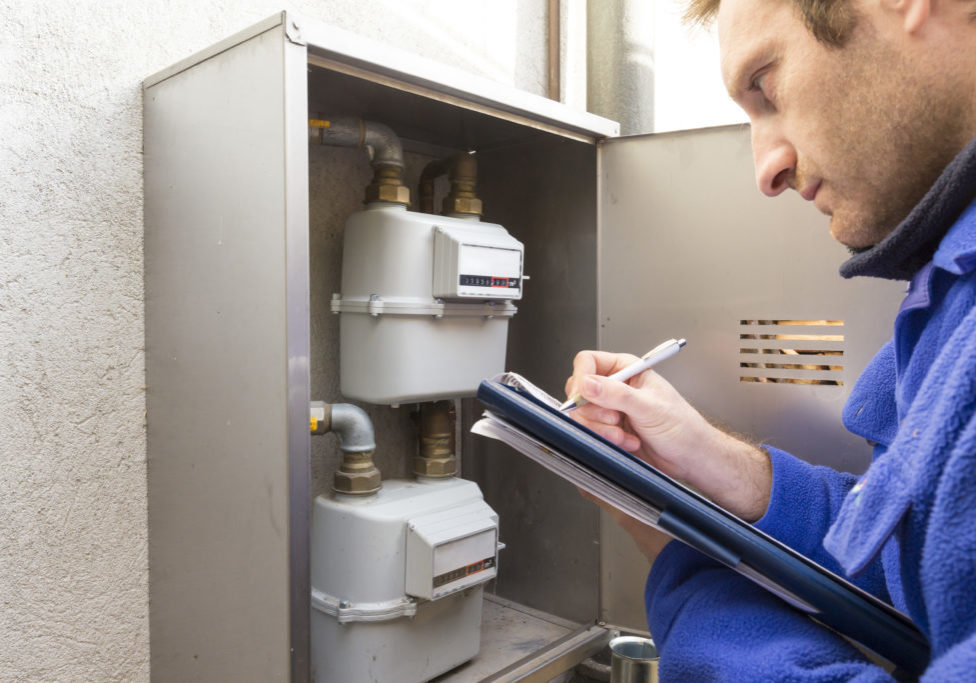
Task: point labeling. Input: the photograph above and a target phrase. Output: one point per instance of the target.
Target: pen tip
(575, 401)
(682, 342)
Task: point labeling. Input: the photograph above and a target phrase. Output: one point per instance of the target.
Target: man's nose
(775, 160)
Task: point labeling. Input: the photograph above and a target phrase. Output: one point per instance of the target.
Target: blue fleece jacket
(905, 531)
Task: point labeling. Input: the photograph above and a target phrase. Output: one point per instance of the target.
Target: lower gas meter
(398, 580)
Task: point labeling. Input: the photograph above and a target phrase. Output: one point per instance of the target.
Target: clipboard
(522, 417)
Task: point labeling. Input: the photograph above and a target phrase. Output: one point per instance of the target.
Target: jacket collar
(957, 252)
(913, 243)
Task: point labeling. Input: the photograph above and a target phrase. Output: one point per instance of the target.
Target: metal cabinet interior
(628, 241)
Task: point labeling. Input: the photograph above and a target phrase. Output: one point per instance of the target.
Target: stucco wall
(73, 568)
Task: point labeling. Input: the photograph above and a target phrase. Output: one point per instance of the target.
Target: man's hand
(649, 540)
(649, 418)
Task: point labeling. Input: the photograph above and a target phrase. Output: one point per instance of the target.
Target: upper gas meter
(476, 261)
(425, 304)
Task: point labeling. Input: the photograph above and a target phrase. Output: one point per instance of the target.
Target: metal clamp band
(347, 612)
(376, 306)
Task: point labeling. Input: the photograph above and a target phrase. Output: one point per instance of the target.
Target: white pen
(649, 359)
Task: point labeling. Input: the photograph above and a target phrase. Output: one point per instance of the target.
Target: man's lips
(812, 194)
(810, 191)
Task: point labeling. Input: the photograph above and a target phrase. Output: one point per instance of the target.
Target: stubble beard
(899, 128)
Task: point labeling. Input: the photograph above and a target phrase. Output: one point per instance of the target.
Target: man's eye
(759, 84)
(759, 87)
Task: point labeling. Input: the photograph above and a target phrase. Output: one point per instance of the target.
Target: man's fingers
(591, 412)
(615, 435)
(600, 362)
(596, 363)
(650, 541)
(608, 393)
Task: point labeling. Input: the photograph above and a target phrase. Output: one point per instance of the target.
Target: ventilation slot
(791, 351)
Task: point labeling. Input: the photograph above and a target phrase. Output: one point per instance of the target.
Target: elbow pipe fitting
(353, 428)
(383, 146)
(357, 474)
(381, 143)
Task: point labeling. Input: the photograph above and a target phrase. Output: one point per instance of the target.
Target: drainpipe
(620, 63)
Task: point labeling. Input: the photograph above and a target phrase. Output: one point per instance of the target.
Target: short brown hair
(830, 21)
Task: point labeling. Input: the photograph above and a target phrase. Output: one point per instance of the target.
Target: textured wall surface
(73, 574)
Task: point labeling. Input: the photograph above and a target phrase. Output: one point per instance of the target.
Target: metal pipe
(553, 44)
(462, 200)
(432, 171)
(620, 63)
(353, 427)
(436, 458)
(382, 145)
(357, 474)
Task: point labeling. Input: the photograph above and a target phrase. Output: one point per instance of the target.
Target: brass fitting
(436, 458)
(464, 180)
(387, 186)
(466, 205)
(462, 170)
(357, 475)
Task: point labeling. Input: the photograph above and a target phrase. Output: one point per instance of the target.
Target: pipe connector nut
(466, 205)
(357, 483)
(435, 467)
(397, 194)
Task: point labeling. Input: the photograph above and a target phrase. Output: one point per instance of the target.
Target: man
(867, 108)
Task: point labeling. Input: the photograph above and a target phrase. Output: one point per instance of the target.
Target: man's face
(862, 130)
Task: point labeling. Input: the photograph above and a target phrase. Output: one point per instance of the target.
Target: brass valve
(462, 170)
(463, 175)
(436, 458)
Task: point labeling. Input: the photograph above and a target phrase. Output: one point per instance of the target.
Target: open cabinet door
(689, 247)
(227, 353)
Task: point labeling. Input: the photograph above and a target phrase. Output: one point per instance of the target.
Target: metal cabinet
(627, 241)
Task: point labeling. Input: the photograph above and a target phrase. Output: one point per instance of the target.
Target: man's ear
(913, 14)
